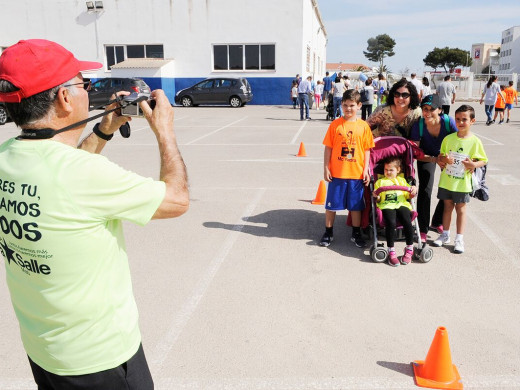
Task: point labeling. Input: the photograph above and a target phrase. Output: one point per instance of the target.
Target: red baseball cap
(36, 65)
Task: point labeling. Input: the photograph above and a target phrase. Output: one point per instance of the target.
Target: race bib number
(456, 169)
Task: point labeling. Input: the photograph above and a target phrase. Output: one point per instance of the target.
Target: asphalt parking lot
(237, 294)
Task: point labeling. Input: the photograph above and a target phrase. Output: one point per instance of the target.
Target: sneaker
(493, 121)
(358, 240)
(488, 123)
(407, 257)
(442, 240)
(326, 239)
(307, 119)
(392, 259)
(423, 237)
(502, 121)
(507, 121)
(439, 229)
(459, 246)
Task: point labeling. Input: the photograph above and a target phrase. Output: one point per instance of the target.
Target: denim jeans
(303, 99)
(337, 106)
(489, 112)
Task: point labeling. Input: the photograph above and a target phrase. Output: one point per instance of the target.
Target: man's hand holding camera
(113, 121)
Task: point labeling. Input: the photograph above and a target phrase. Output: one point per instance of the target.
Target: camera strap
(47, 133)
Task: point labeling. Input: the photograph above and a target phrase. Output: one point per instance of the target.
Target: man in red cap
(61, 237)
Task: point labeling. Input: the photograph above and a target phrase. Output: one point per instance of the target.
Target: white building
(480, 56)
(268, 41)
(509, 60)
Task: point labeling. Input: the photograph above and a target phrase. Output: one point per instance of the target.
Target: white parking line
(282, 160)
(346, 383)
(161, 351)
(215, 131)
(505, 179)
(495, 239)
(489, 139)
(297, 135)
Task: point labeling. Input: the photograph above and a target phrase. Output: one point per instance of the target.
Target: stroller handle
(392, 188)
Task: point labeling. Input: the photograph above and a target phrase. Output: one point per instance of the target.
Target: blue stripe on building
(266, 90)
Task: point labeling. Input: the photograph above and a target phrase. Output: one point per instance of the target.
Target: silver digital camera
(130, 104)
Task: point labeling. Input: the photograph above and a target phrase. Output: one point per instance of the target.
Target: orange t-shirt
(510, 93)
(500, 103)
(348, 141)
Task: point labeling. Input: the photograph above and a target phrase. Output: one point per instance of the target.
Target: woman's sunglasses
(404, 95)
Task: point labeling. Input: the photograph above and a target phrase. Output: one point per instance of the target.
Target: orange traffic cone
(437, 371)
(321, 194)
(302, 152)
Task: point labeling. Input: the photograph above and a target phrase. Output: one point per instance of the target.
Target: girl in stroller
(392, 193)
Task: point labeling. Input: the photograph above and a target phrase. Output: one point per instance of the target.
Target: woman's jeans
(489, 112)
(426, 174)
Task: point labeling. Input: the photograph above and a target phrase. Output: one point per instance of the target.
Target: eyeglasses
(404, 95)
(86, 85)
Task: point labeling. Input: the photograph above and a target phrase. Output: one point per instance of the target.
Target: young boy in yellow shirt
(462, 152)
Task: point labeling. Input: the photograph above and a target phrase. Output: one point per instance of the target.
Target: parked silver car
(101, 90)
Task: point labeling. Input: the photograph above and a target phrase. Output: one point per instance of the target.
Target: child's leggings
(317, 98)
(404, 216)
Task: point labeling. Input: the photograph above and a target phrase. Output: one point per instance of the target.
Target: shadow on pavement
(402, 368)
(296, 224)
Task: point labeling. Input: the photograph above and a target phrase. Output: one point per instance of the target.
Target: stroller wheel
(426, 254)
(378, 255)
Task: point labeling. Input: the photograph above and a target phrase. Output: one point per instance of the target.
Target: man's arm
(173, 171)
(109, 125)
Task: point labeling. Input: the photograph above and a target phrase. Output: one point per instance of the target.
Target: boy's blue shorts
(509, 106)
(345, 194)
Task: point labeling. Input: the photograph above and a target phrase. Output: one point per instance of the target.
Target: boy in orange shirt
(347, 153)
(511, 95)
(500, 106)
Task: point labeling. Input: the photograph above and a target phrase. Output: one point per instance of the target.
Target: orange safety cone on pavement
(437, 371)
(321, 194)
(302, 152)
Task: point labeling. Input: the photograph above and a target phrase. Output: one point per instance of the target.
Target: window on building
(220, 58)
(268, 57)
(135, 51)
(252, 57)
(118, 53)
(236, 57)
(247, 57)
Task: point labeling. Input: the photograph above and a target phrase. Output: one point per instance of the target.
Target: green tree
(447, 58)
(380, 47)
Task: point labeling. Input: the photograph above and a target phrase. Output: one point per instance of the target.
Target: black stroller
(330, 110)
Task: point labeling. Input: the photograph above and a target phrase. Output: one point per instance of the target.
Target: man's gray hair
(34, 109)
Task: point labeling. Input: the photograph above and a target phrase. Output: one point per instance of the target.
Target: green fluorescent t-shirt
(455, 177)
(61, 212)
(393, 199)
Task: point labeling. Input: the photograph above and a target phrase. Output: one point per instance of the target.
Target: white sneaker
(442, 240)
(459, 246)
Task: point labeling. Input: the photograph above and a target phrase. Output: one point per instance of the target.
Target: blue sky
(416, 26)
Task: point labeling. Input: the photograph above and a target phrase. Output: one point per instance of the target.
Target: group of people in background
(422, 118)
(498, 98)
